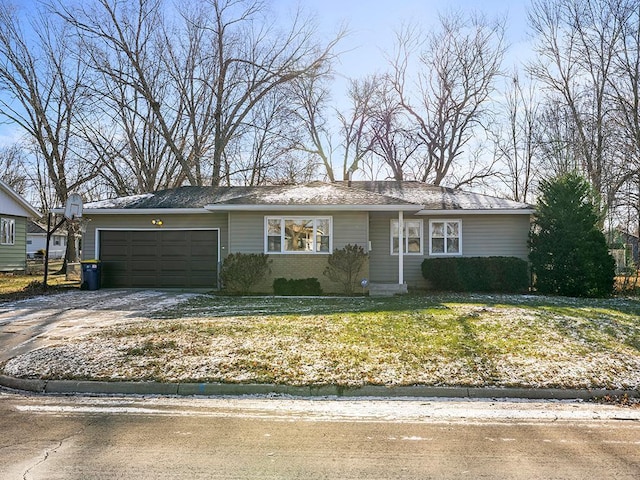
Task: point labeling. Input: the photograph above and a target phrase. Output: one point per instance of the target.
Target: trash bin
(91, 274)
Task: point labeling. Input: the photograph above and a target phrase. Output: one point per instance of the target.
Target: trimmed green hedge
(300, 286)
(477, 274)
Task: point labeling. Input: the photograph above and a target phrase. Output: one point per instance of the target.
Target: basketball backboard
(73, 207)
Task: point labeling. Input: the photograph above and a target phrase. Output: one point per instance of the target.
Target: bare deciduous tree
(253, 59)
(128, 54)
(626, 93)
(576, 45)
(391, 140)
(45, 96)
(311, 97)
(197, 83)
(446, 90)
(356, 124)
(515, 145)
(13, 168)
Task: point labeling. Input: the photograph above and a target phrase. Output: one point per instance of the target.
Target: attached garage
(159, 258)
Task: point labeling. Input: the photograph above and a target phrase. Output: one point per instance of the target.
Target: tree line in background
(119, 97)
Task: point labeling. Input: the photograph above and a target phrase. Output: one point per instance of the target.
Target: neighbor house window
(7, 231)
(411, 237)
(445, 237)
(298, 234)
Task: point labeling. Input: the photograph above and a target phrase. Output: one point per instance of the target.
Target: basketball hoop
(73, 207)
(72, 214)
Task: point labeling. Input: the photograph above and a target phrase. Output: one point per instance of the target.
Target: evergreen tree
(569, 254)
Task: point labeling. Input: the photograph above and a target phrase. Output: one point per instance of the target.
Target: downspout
(400, 247)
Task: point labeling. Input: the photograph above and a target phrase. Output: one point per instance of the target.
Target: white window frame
(405, 237)
(7, 231)
(294, 218)
(445, 253)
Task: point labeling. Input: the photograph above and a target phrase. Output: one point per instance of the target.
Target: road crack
(47, 453)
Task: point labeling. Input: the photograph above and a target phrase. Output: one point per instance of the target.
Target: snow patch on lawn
(232, 345)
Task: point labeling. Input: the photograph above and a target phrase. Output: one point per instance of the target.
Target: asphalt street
(78, 437)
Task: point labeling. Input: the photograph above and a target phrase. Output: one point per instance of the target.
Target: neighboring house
(630, 243)
(176, 238)
(37, 241)
(14, 212)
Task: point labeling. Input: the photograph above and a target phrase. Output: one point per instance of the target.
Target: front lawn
(14, 286)
(476, 340)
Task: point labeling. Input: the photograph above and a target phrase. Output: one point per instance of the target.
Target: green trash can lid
(90, 261)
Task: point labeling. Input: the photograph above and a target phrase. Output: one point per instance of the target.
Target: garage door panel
(144, 252)
(159, 258)
(175, 250)
(142, 281)
(203, 264)
(171, 270)
(176, 235)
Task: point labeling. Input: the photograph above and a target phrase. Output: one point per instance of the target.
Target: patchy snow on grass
(479, 341)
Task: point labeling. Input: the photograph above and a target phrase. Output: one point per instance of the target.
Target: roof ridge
(402, 200)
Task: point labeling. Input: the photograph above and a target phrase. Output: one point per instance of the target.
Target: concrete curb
(230, 389)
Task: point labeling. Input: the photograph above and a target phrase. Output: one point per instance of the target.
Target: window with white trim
(7, 231)
(298, 235)
(445, 237)
(411, 237)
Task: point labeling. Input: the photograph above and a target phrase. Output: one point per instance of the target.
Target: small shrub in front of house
(477, 274)
(344, 266)
(297, 286)
(240, 272)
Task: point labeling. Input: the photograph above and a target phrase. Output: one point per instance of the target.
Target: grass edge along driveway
(462, 340)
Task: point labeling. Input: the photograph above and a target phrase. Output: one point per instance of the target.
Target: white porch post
(400, 247)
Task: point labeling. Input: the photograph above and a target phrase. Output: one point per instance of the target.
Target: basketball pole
(46, 251)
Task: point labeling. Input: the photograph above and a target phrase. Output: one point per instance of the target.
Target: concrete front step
(387, 289)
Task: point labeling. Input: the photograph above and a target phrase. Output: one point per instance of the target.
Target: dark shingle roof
(439, 198)
(34, 228)
(315, 193)
(377, 193)
(181, 197)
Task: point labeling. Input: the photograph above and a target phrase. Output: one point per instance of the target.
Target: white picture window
(298, 235)
(411, 237)
(7, 231)
(445, 237)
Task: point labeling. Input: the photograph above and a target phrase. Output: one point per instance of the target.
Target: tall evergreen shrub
(569, 254)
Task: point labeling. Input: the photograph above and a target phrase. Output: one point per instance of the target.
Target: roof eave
(477, 211)
(136, 211)
(30, 209)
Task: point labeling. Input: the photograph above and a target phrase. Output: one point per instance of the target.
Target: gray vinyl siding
(482, 236)
(246, 232)
(14, 257)
(383, 267)
(138, 222)
(495, 235)
(246, 229)
(350, 228)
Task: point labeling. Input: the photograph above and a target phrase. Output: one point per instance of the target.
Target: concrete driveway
(33, 323)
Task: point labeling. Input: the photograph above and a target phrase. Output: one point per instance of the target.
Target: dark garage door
(159, 258)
